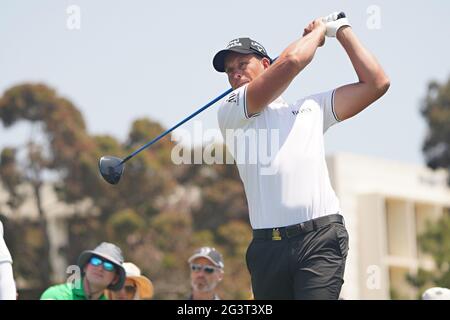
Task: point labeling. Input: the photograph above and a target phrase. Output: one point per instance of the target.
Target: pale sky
(133, 59)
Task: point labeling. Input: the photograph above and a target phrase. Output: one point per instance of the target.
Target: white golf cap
(436, 293)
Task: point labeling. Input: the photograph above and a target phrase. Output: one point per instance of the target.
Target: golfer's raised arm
(271, 84)
(351, 99)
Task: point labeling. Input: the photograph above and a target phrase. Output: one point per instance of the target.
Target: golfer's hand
(317, 26)
(334, 22)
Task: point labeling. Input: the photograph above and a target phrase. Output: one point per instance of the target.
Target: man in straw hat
(101, 268)
(136, 287)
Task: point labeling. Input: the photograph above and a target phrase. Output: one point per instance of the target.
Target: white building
(386, 205)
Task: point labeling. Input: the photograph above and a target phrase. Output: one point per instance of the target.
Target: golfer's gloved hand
(334, 22)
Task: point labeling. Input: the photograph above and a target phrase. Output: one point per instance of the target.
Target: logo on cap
(240, 45)
(259, 47)
(234, 43)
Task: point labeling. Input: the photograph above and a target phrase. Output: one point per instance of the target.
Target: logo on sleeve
(233, 98)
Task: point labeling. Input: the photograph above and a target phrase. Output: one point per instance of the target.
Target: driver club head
(111, 168)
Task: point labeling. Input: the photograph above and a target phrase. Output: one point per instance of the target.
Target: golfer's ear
(265, 62)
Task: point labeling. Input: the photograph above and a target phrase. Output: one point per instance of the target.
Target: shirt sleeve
(56, 293)
(233, 113)
(326, 102)
(49, 294)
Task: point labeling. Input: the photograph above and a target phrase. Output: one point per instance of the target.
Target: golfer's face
(202, 279)
(242, 68)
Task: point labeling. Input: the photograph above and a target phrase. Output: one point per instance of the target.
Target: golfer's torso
(289, 182)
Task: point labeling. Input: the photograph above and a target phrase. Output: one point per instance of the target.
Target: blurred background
(82, 79)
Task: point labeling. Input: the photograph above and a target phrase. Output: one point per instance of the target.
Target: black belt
(296, 229)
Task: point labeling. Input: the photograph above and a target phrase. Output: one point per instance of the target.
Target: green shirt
(67, 291)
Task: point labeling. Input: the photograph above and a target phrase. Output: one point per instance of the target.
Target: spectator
(136, 287)
(206, 272)
(101, 268)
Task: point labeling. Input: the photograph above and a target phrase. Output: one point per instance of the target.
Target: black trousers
(307, 266)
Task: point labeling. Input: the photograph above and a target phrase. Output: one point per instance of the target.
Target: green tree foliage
(436, 242)
(436, 111)
(436, 239)
(222, 191)
(25, 241)
(66, 137)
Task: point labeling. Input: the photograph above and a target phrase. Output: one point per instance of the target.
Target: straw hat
(144, 285)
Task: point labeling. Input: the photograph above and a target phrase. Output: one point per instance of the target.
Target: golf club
(111, 168)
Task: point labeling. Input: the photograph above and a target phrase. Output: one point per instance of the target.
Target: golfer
(300, 243)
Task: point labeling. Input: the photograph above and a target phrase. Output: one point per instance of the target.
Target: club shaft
(176, 126)
(206, 106)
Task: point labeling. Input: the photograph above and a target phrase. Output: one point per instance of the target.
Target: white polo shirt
(5, 256)
(280, 157)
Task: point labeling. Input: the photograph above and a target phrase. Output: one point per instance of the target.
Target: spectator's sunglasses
(199, 267)
(107, 266)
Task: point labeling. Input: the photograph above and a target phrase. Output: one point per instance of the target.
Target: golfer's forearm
(367, 68)
(273, 82)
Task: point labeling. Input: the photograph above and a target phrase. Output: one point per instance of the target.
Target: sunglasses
(107, 266)
(199, 267)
